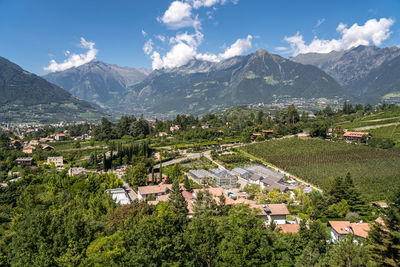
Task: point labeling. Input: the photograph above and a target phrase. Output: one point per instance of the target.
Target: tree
(319, 129)
(177, 201)
(353, 196)
(385, 238)
(137, 175)
(187, 185)
(347, 253)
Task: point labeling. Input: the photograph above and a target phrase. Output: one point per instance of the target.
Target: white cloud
(208, 3)
(179, 55)
(144, 33)
(372, 32)
(185, 47)
(161, 37)
(74, 60)
(319, 22)
(281, 48)
(178, 15)
(237, 48)
(148, 47)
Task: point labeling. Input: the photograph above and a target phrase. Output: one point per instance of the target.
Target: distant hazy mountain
(98, 82)
(200, 87)
(350, 66)
(25, 96)
(380, 82)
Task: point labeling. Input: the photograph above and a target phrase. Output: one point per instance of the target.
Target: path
(384, 119)
(174, 161)
(376, 126)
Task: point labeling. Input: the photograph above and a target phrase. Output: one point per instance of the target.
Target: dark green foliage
(385, 239)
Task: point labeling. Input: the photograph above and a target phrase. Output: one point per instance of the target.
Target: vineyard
(375, 171)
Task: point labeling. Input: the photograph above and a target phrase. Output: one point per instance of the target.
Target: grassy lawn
(375, 171)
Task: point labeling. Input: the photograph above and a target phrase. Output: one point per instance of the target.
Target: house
(276, 213)
(75, 171)
(255, 135)
(161, 134)
(288, 228)
(28, 149)
(267, 133)
(382, 205)
(45, 140)
(21, 162)
(153, 190)
(47, 147)
(340, 229)
(119, 195)
(355, 136)
(60, 137)
(57, 161)
(174, 128)
(34, 143)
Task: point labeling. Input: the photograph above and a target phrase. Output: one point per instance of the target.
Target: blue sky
(32, 33)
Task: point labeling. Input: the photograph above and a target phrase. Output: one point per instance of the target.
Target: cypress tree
(178, 202)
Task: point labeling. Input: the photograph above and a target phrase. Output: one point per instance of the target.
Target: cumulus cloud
(148, 47)
(237, 48)
(372, 32)
(185, 47)
(178, 15)
(144, 33)
(208, 3)
(74, 60)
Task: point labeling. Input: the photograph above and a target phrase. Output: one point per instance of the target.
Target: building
(161, 134)
(119, 195)
(21, 162)
(75, 171)
(340, 229)
(47, 147)
(57, 161)
(356, 136)
(382, 205)
(242, 173)
(224, 178)
(174, 128)
(28, 149)
(153, 190)
(276, 213)
(60, 137)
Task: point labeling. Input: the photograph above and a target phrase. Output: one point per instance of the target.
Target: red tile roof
(355, 134)
(345, 227)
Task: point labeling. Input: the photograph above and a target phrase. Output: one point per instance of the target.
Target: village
(227, 186)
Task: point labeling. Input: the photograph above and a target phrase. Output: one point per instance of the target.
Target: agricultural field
(375, 171)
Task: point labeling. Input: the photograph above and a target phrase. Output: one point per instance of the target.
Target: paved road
(174, 161)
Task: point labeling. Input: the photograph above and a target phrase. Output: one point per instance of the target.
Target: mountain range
(364, 74)
(200, 87)
(28, 97)
(98, 82)
(356, 68)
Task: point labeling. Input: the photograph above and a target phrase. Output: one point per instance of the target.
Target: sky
(44, 36)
